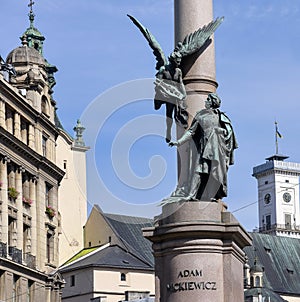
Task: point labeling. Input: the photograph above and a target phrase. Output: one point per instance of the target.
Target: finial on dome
(31, 14)
(24, 40)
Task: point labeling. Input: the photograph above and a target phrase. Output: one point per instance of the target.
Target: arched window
(45, 106)
(257, 281)
(123, 277)
(251, 281)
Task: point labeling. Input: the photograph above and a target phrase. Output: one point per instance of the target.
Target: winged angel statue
(169, 87)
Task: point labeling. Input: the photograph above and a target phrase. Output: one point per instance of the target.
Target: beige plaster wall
(72, 199)
(109, 281)
(291, 299)
(97, 231)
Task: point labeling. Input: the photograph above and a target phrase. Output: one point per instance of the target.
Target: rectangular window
(44, 145)
(50, 247)
(26, 236)
(48, 189)
(11, 230)
(72, 280)
(268, 222)
(288, 221)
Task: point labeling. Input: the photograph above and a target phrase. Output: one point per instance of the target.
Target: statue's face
(208, 102)
(175, 58)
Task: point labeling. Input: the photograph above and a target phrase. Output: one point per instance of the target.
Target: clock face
(287, 197)
(267, 198)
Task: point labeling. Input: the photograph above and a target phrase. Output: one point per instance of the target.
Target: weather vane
(31, 5)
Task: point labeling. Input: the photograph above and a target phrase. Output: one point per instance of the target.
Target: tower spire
(33, 36)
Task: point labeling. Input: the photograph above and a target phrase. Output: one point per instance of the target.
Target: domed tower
(34, 76)
(256, 274)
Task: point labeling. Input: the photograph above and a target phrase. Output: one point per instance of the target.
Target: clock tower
(278, 196)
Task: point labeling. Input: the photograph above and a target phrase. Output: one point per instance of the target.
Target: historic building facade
(37, 169)
(278, 196)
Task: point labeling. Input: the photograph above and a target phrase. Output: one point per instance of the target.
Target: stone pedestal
(198, 253)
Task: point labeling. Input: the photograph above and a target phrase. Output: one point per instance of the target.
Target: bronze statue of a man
(212, 138)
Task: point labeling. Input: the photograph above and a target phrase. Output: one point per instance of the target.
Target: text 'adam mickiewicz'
(183, 286)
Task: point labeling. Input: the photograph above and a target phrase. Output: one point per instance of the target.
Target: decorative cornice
(21, 149)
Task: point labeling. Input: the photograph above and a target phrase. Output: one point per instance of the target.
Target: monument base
(198, 253)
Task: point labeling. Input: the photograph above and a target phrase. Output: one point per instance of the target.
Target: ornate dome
(25, 55)
(256, 268)
(33, 31)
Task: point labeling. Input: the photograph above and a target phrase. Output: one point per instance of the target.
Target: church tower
(278, 196)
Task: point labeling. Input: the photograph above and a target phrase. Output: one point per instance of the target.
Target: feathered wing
(157, 50)
(194, 41)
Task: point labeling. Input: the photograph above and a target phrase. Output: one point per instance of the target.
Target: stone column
(38, 141)
(40, 221)
(2, 114)
(31, 137)
(198, 250)
(17, 126)
(4, 199)
(19, 206)
(9, 121)
(32, 196)
(199, 73)
(198, 70)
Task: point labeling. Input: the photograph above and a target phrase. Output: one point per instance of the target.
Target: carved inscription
(183, 285)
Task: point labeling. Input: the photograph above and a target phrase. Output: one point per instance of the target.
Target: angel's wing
(157, 50)
(196, 40)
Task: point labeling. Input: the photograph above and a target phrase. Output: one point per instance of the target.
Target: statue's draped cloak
(214, 142)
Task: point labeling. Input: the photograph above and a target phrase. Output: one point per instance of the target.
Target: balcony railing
(15, 254)
(3, 250)
(30, 260)
(279, 227)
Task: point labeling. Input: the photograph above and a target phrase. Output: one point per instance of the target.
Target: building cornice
(19, 151)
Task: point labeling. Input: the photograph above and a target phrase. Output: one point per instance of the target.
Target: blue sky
(97, 49)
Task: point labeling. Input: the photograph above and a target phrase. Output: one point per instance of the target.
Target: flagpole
(276, 138)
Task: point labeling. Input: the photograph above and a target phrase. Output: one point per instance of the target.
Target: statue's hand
(172, 144)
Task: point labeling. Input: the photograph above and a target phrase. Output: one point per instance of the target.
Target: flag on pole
(277, 132)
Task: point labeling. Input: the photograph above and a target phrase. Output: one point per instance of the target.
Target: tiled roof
(110, 257)
(280, 258)
(266, 293)
(129, 231)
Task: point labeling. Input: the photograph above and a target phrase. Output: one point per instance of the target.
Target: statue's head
(175, 58)
(213, 101)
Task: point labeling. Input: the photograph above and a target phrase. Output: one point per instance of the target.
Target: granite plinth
(198, 253)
